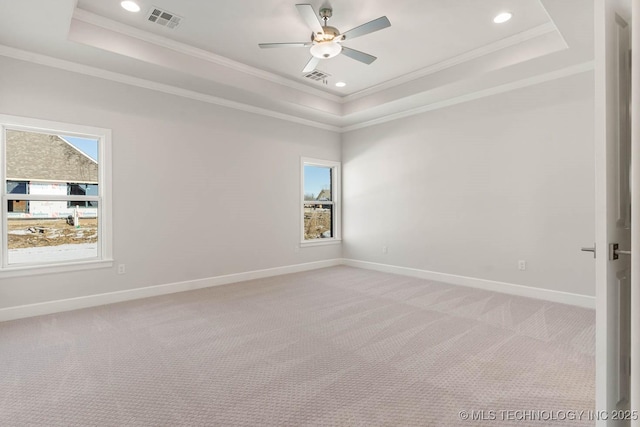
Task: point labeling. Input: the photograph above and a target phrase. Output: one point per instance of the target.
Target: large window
(320, 201)
(56, 200)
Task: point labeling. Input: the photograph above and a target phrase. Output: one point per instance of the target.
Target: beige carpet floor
(333, 347)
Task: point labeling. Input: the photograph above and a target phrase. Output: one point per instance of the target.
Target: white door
(613, 206)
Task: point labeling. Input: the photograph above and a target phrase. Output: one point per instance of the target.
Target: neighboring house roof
(41, 157)
(325, 194)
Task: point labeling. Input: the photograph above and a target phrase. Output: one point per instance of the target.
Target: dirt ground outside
(317, 223)
(30, 233)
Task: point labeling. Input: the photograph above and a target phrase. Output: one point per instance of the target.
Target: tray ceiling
(435, 52)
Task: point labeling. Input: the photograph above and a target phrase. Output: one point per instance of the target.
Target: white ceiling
(422, 32)
(435, 53)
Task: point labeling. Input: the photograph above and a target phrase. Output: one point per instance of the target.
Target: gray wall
(198, 190)
(203, 191)
(471, 189)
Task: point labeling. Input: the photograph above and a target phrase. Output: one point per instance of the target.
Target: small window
(320, 201)
(56, 192)
(17, 187)
(82, 190)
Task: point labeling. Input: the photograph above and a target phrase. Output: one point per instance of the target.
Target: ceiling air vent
(318, 76)
(164, 18)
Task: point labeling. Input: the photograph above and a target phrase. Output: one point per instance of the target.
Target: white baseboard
(49, 307)
(472, 282)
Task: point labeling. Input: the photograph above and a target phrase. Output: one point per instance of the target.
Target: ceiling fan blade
(272, 45)
(309, 15)
(358, 56)
(369, 27)
(311, 65)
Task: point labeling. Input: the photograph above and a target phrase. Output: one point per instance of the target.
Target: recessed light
(502, 17)
(341, 84)
(131, 6)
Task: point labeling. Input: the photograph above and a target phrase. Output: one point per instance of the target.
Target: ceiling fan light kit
(326, 50)
(326, 41)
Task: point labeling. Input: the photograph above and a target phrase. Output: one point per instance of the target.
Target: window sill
(32, 270)
(320, 242)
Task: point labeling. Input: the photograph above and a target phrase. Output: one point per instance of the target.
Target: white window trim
(337, 202)
(105, 228)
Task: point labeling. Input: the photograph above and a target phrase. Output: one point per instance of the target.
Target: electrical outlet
(122, 269)
(522, 265)
(385, 250)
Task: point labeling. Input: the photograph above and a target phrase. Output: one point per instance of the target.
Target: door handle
(593, 249)
(615, 252)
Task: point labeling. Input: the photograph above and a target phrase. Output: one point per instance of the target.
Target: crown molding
(519, 84)
(108, 24)
(172, 90)
(127, 30)
(74, 67)
(459, 59)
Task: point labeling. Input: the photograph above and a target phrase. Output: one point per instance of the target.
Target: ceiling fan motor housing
(329, 34)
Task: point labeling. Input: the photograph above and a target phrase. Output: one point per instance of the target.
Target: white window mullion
(52, 198)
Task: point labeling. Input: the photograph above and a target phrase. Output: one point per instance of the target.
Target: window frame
(336, 201)
(104, 258)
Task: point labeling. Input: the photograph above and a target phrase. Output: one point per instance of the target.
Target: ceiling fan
(326, 41)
